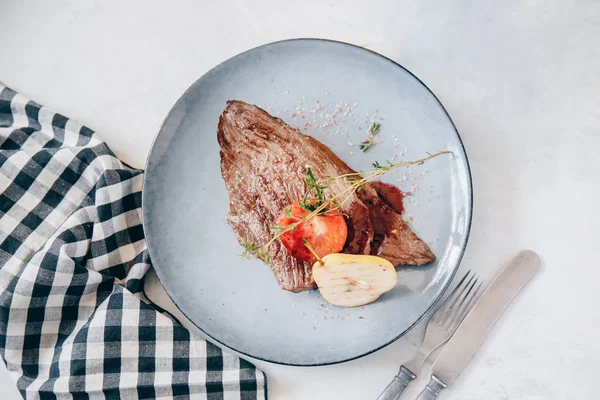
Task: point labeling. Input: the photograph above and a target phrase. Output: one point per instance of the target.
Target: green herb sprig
(370, 140)
(315, 195)
(252, 250)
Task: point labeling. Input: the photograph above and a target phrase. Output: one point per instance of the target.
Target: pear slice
(350, 280)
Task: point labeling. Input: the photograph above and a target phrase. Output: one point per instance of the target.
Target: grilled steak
(263, 164)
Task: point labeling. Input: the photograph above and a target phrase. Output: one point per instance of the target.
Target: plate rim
(469, 204)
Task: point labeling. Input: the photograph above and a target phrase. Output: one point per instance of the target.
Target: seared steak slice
(263, 164)
(397, 242)
(391, 195)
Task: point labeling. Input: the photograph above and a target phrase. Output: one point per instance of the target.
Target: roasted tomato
(326, 233)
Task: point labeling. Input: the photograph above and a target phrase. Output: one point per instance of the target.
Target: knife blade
(472, 331)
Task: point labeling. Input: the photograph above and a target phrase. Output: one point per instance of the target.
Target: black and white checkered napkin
(74, 321)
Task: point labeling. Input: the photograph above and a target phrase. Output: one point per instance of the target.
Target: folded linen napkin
(74, 321)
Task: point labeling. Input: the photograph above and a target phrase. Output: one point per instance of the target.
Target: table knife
(472, 331)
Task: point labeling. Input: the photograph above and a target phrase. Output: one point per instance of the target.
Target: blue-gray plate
(237, 302)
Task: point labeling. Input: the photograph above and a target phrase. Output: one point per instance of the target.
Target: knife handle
(433, 388)
(397, 385)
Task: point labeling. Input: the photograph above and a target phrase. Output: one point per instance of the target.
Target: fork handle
(397, 385)
(433, 388)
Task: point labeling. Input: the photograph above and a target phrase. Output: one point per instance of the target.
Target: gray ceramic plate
(197, 258)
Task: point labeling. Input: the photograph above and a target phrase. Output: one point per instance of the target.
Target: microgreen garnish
(370, 140)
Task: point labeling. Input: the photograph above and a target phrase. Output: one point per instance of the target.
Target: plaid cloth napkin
(74, 322)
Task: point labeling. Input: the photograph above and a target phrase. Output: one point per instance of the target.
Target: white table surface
(520, 80)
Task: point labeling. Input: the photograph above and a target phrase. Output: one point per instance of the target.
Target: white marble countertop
(520, 80)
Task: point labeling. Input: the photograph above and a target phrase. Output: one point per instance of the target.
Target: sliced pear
(350, 280)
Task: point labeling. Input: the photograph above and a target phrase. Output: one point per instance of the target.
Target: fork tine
(451, 309)
(467, 308)
(451, 299)
(466, 300)
(465, 292)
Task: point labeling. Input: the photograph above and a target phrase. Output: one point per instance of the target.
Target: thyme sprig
(326, 205)
(252, 250)
(315, 195)
(370, 140)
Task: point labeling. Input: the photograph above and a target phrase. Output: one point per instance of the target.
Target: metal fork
(440, 329)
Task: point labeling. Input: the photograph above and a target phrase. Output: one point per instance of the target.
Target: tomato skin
(326, 233)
